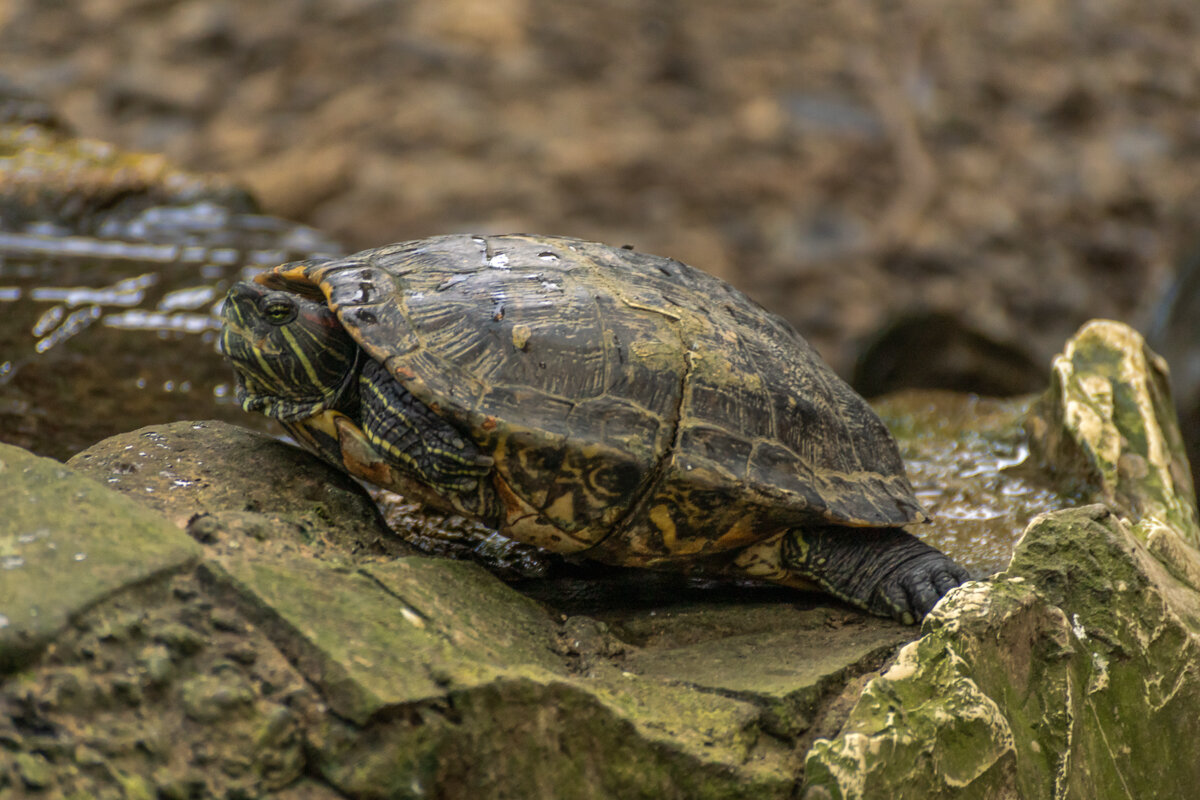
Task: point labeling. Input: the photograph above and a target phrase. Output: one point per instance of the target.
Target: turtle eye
(277, 308)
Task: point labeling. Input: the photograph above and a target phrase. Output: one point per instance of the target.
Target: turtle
(591, 400)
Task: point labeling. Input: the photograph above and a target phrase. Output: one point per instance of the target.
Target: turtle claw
(914, 588)
(953, 575)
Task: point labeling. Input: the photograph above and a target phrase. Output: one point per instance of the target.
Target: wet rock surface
(301, 645)
(267, 656)
(1059, 676)
(969, 465)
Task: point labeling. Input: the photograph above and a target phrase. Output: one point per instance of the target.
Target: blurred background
(936, 193)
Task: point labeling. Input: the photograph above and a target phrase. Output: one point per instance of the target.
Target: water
(967, 459)
(110, 332)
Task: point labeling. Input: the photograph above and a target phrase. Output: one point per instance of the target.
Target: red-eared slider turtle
(589, 400)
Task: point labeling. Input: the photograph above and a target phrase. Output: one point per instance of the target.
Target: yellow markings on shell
(295, 280)
(524, 523)
(653, 309)
(763, 560)
(562, 508)
(649, 348)
(660, 515)
(739, 534)
(297, 273)
(720, 370)
(657, 355)
(520, 336)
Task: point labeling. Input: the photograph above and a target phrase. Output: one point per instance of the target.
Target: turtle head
(292, 357)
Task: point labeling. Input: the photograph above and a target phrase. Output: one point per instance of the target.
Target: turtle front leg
(881, 570)
(415, 439)
(398, 442)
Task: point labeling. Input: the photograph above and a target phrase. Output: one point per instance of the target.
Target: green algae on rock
(67, 542)
(391, 647)
(1060, 677)
(1106, 428)
(150, 694)
(363, 645)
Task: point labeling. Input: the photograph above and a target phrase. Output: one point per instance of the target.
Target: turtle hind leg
(881, 570)
(415, 440)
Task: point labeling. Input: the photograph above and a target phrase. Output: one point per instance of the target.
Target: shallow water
(107, 333)
(967, 459)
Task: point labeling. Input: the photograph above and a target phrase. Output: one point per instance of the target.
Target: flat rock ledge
(196, 610)
(225, 639)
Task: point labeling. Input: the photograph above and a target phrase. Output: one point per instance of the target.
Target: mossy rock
(66, 543)
(1061, 676)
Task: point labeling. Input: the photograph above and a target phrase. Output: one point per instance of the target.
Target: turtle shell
(635, 407)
